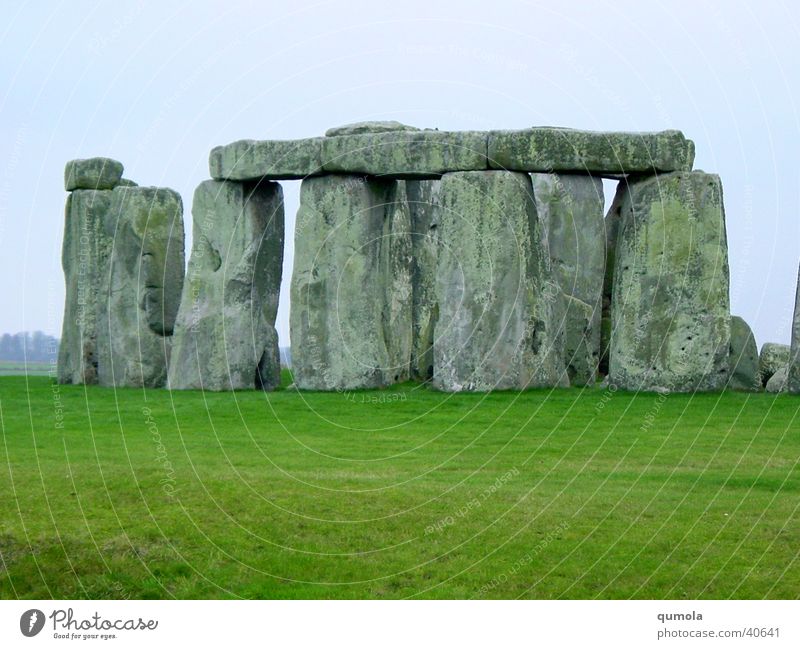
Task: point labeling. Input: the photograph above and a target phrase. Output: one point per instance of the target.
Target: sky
(156, 85)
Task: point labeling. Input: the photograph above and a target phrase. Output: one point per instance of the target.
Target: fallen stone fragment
(779, 381)
(773, 356)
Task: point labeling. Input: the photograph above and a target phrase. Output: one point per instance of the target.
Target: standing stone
(570, 208)
(612, 221)
(225, 336)
(84, 258)
(142, 288)
(794, 360)
(773, 356)
(670, 303)
(351, 290)
(498, 304)
(743, 361)
(423, 198)
(580, 348)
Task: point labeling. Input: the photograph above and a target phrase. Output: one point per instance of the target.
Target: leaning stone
(92, 173)
(743, 361)
(551, 149)
(267, 159)
(351, 290)
(405, 153)
(142, 287)
(580, 350)
(773, 356)
(126, 182)
(794, 359)
(84, 258)
(670, 305)
(359, 128)
(570, 208)
(423, 200)
(499, 308)
(225, 336)
(779, 381)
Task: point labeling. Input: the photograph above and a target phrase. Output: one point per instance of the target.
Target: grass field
(21, 368)
(397, 493)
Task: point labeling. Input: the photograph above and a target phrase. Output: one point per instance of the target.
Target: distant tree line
(26, 345)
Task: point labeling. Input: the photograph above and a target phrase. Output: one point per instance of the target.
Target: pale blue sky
(156, 85)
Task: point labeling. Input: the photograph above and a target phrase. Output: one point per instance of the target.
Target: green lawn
(396, 493)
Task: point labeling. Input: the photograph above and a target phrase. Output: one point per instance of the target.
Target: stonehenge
(471, 261)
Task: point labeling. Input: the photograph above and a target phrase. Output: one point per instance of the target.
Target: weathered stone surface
(612, 221)
(142, 288)
(550, 149)
(405, 153)
(581, 353)
(779, 381)
(92, 173)
(267, 159)
(773, 356)
(351, 290)
(670, 305)
(498, 325)
(794, 359)
(225, 336)
(570, 208)
(743, 360)
(423, 200)
(359, 128)
(84, 258)
(127, 182)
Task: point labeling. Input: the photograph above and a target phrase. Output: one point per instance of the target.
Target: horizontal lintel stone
(406, 153)
(551, 149)
(268, 159)
(411, 153)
